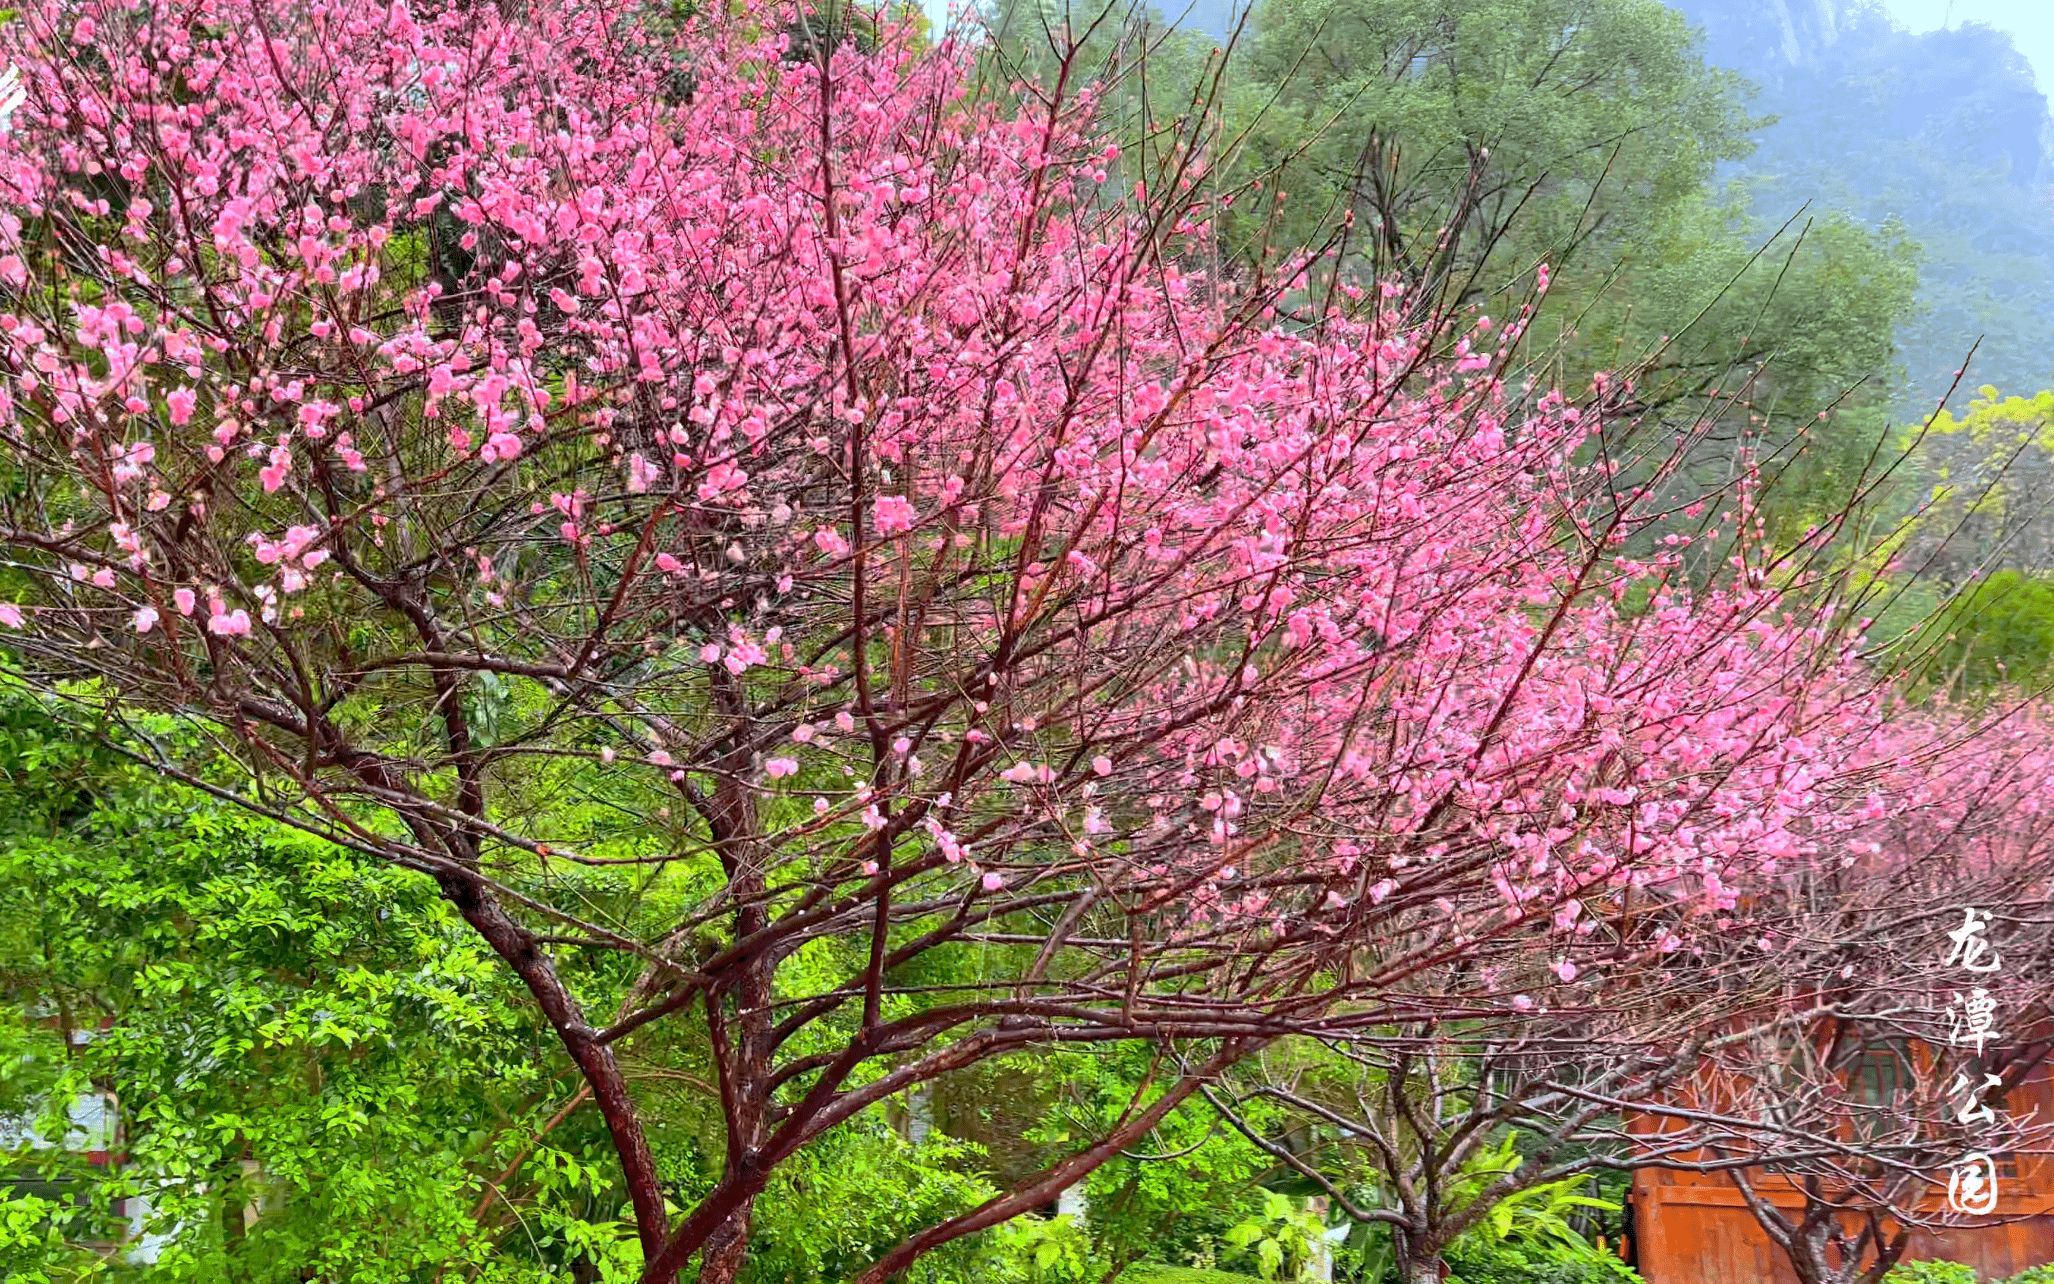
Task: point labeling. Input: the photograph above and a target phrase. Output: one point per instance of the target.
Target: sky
(2029, 22)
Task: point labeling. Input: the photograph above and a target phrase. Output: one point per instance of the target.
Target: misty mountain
(1942, 136)
(1944, 133)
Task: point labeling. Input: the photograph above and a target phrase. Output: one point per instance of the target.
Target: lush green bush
(1512, 1264)
(1156, 1273)
(293, 1027)
(1957, 1273)
(286, 1025)
(1930, 1273)
(1533, 1236)
(1277, 1240)
(2001, 628)
(1183, 1210)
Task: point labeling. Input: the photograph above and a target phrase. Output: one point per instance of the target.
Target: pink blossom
(722, 480)
(273, 475)
(893, 514)
(228, 624)
(131, 460)
(641, 474)
(779, 768)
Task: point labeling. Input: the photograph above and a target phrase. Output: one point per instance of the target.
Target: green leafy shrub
(1530, 1235)
(1931, 1273)
(2000, 628)
(1278, 1240)
(287, 1026)
(31, 1243)
(1156, 1273)
(1478, 1263)
(1050, 1250)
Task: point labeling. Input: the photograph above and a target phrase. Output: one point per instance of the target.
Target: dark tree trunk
(727, 1248)
(1425, 1271)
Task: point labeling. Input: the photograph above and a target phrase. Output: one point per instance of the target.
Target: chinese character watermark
(1972, 1185)
(1972, 1020)
(1970, 950)
(1972, 1023)
(1974, 1111)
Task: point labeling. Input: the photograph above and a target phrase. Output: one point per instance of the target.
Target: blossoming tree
(770, 514)
(1909, 994)
(1810, 1050)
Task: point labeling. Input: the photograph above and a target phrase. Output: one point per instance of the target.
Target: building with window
(1696, 1227)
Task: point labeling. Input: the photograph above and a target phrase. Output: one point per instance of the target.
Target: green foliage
(1278, 1241)
(1457, 144)
(1156, 1273)
(1580, 134)
(1177, 1198)
(1529, 1234)
(1053, 1250)
(1989, 471)
(321, 1069)
(1957, 1273)
(843, 1203)
(2000, 629)
(1505, 1264)
(1930, 1273)
(1942, 129)
(32, 1247)
(318, 1067)
(1545, 101)
(1958, 586)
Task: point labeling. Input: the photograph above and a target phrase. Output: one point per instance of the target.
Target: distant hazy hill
(1832, 62)
(1944, 131)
